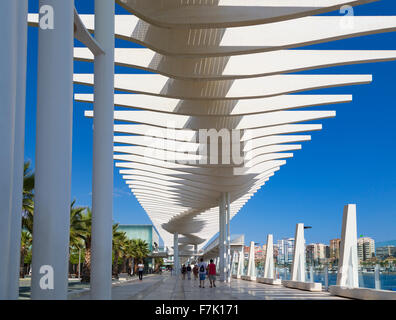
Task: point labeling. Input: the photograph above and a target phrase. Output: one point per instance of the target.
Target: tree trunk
(137, 261)
(125, 263)
(86, 269)
(22, 264)
(115, 264)
(129, 270)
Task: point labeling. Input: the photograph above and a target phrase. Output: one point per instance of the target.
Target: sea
(366, 280)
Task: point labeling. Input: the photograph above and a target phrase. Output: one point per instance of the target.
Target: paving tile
(167, 287)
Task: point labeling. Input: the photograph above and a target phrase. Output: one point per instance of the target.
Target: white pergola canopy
(224, 64)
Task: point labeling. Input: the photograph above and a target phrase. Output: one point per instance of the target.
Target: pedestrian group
(201, 270)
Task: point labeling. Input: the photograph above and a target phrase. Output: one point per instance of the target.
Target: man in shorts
(212, 273)
(202, 273)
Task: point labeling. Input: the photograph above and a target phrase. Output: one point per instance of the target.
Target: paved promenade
(168, 287)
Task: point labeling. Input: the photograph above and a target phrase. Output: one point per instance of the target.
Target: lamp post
(311, 264)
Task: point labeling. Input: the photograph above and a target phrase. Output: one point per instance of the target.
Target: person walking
(202, 273)
(212, 273)
(188, 272)
(183, 271)
(140, 270)
(195, 271)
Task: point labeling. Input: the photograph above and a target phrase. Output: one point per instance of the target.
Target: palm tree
(27, 215)
(26, 244)
(77, 227)
(28, 198)
(139, 251)
(127, 256)
(86, 235)
(158, 264)
(120, 243)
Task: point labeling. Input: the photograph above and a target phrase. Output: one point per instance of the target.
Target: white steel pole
(53, 151)
(196, 252)
(176, 253)
(222, 231)
(8, 76)
(311, 274)
(377, 277)
(16, 211)
(326, 270)
(228, 238)
(102, 169)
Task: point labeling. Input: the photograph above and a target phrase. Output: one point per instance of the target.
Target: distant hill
(386, 243)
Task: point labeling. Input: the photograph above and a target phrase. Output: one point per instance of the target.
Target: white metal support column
(102, 169)
(222, 233)
(8, 79)
(298, 268)
(16, 211)
(228, 238)
(176, 261)
(195, 252)
(53, 152)
(348, 264)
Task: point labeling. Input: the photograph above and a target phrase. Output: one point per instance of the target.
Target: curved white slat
(219, 107)
(241, 66)
(239, 123)
(241, 40)
(228, 13)
(158, 85)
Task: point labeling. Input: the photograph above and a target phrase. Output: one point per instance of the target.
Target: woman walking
(195, 271)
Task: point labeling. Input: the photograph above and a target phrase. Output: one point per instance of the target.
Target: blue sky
(350, 161)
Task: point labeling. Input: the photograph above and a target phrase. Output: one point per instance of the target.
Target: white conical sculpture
(241, 262)
(298, 268)
(234, 259)
(251, 272)
(348, 264)
(269, 259)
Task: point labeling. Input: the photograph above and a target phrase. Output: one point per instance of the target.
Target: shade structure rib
(220, 96)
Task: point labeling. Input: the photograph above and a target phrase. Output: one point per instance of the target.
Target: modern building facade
(144, 232)
(285, 249)
(335, 250)
(366, 248)
(317, 253)
(259, 252)
(385, 252)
